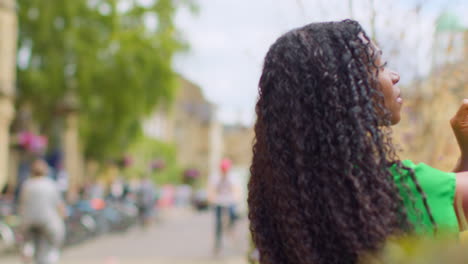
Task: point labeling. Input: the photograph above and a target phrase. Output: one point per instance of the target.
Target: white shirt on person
(39, 201)
(223, 191)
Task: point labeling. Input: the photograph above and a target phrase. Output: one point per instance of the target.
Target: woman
(327, 185)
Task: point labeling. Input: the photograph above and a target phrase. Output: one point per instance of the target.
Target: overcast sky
(229, 39)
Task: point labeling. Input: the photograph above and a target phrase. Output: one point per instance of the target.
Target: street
(179, 237)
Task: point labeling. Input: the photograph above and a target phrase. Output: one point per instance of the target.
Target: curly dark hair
(320, 188)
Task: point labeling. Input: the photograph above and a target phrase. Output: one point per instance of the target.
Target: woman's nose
(395, 77)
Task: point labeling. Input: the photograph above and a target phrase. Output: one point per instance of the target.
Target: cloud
(229, 39)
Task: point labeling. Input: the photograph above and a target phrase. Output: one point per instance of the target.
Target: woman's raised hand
(460, 127)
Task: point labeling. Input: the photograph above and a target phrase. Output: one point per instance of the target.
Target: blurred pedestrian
(146, 199)
(223, 194)
(42, 211)
(183, 195)
(96, 190)
(116, 189)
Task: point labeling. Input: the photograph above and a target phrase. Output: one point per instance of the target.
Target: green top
(439, 187)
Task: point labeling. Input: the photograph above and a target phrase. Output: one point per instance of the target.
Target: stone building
(201, 140)
(237, 145)
(191, 125)
(449, 41)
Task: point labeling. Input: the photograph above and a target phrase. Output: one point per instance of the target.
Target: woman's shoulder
(429, 176)
(424, 173)
(439, 188)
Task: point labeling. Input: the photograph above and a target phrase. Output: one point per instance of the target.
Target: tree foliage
(114, 56)
(149, 150)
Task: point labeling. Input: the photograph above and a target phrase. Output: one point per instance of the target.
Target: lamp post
(8, 37)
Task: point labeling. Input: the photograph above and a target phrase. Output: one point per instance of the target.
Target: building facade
(191, 125)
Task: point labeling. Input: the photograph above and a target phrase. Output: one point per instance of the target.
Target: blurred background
(112, 93)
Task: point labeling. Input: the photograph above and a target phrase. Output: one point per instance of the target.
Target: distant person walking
(42, 211)
(146, 200)
(223, 194)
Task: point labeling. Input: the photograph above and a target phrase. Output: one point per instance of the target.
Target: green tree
(115, 56)
(149, 150)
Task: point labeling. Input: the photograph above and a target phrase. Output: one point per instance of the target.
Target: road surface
(180, 237)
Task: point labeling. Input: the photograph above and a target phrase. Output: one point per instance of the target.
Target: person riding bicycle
(223, 194)
(42, 211)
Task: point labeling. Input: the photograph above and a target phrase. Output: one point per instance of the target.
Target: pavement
(181, 236)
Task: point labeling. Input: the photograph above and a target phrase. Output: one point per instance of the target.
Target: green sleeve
(439, 188)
